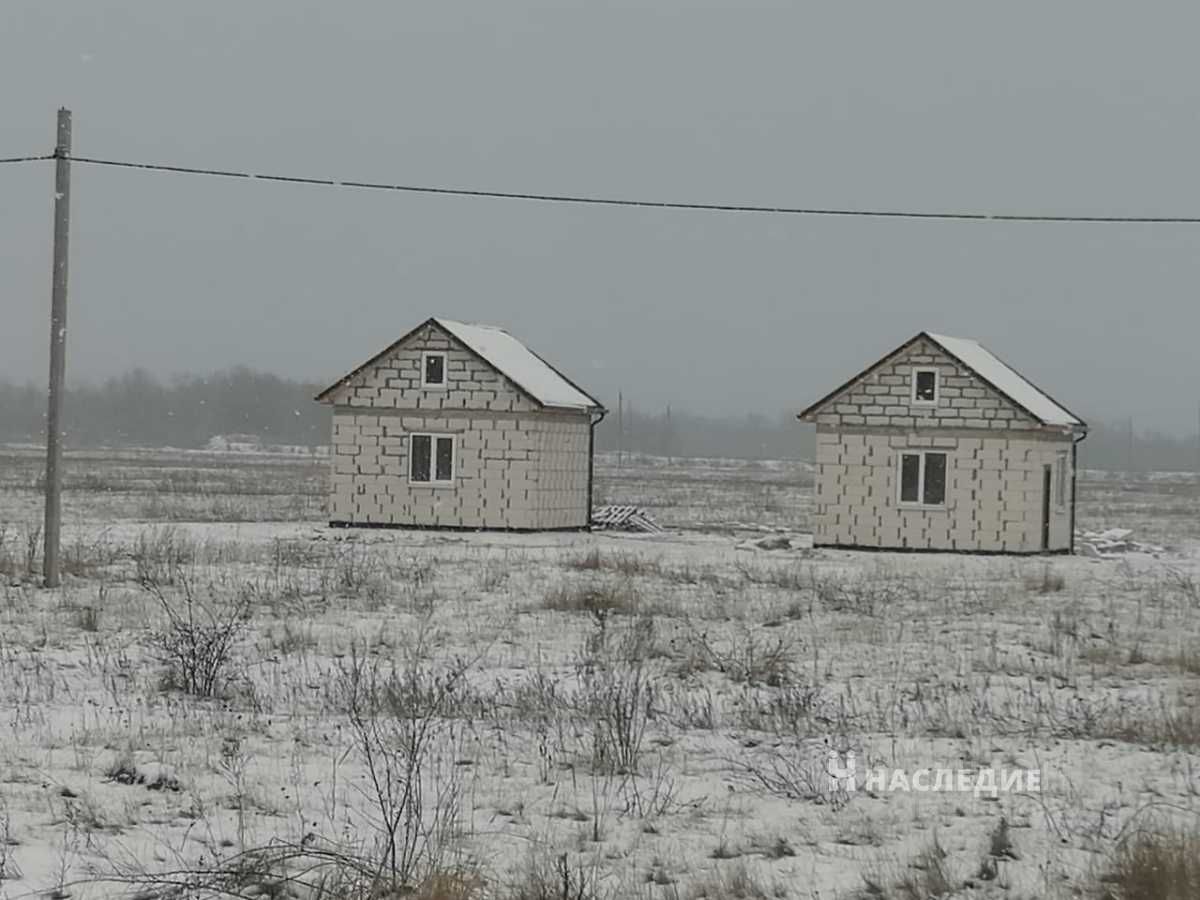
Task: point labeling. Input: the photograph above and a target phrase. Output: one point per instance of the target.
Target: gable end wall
(883, 398)
(394, 382)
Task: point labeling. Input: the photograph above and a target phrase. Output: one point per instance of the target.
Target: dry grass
(610, 717)
(924, 877)
(594, 597)
(734, 883)
(1154, 866)
(1048, 582)
(1186, 659)
(557, 878)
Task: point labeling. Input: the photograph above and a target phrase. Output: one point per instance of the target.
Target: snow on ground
(658, 708)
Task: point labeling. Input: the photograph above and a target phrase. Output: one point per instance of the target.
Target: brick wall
(993, 491)
(516, 465)
(562, 499)
(394, 382)
(995, 457)
(883, 398)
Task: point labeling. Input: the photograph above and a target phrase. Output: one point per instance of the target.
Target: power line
(22, 159)
(615, 201)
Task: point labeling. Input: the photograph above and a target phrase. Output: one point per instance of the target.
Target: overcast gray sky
(1082, 107)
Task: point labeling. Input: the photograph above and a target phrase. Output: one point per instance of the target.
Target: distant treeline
(138, 409)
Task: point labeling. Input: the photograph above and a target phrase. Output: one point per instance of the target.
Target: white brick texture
(884, 397)
(996, 454)
(516, 466)
(394, 382)
(993, 493)
(526, 471)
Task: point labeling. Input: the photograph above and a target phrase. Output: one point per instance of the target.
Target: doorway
(1046, 477)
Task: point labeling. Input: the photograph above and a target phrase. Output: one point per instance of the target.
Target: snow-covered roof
(988, 368)
(499, 349)
(520, 365)
(1005, 379)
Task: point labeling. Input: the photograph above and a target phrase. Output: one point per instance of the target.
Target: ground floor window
(923, 478)
(431, 458)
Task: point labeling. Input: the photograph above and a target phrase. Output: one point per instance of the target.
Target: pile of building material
(779, 540)
(1110, 543)
(775, 542)
(624, 518)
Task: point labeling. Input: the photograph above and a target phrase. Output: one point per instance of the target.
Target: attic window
(925, 387)
(433, 370)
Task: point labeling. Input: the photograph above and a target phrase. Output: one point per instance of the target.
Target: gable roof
(989, 369)
(531, 374)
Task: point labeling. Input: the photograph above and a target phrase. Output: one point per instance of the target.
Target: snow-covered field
(577, 716)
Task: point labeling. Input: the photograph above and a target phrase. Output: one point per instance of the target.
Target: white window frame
(937, 386)
(435, 385)
(920, 502)
(1060, 481)
(433, 481)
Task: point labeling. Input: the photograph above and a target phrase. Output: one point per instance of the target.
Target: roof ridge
(487, 325)
(531, 381)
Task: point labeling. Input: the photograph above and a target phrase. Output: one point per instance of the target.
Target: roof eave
(1077, 421)
(809, 413)
(348, 377)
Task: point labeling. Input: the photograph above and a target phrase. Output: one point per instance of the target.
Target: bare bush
(618, 693)
(791, 770)
(197, 640)
(491, 575)
(403, 719)
(312, 868)
(865, 595)
(353, 570)
(598, 598)
(19, 557)
(1186, 585)
(626, 564)
(795, 710)
(746, 658)
(162, 554)
(785, 577)
(553, 879)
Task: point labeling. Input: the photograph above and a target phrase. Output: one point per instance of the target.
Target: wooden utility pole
(58, 349)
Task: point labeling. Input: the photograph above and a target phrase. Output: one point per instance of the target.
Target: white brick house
(460, 426)
(941, 446)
